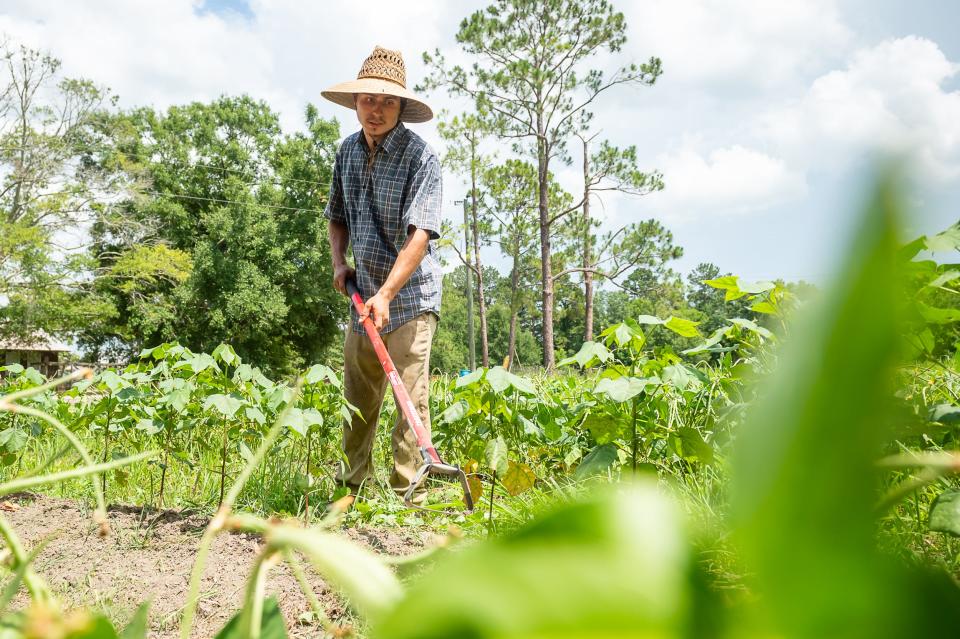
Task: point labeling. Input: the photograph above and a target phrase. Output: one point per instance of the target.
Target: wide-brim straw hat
(382, 72)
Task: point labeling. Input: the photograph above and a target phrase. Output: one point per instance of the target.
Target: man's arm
(408, 259)
(339, 236)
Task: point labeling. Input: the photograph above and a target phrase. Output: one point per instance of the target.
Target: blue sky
(764, 122)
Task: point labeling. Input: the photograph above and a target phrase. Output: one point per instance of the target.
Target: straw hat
(382, 72)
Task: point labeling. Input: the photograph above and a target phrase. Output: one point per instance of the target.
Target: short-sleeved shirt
(378, 200)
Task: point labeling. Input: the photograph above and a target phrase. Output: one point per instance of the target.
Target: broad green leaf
(312, 417)
(254, 414)
(13, 439)
(454, 412)
(244, 373)
(764, 307)
(138, 625)
(319, 372)
(112, 381)
(149, 426)
(681, 377)
(496, 456)
(272, 625)
(294, 420)
(226, 405)
(226, 354)
(945, 278)
(500, 379)
(590, 354)
(245, 453)
(682, 327)
(935, 315)
(470, 378)
(804, 475)
(623, 388)
(945, 513)
(518, 478)
(752, 326)
(755, 288)
(546, 581)
(597, 461)
(692, 445)
(948, 240)
(650, 319)
(604, 428)
(712, 341)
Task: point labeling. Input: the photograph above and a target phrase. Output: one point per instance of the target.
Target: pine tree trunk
(514, 308)
(482, 307)
(546, 270)
(587, 249)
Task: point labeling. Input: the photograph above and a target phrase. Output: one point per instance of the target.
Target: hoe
(432, 464)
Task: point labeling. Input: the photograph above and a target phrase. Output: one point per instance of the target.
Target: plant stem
(38, 589)
(493, 485)
(223, 462)
(296, 566)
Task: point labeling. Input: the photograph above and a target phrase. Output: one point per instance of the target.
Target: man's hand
(341, 274)
(378, 309)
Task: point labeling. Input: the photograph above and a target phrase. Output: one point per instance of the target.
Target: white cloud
(889, 98)
(726, 181)
(747, 43)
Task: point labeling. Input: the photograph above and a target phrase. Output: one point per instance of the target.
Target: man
(385, 203)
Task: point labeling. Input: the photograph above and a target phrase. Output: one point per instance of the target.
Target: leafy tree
(607, 169)
(529, 74)
(463, 135)
(47, 193)
(220, 185)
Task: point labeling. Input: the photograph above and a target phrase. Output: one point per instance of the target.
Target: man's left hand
(378, 309)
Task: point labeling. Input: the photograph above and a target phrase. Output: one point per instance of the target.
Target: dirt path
(140, 562)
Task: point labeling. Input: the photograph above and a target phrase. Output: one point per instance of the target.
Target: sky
(766, 122)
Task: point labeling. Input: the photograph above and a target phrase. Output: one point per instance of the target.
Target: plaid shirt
(377, 199)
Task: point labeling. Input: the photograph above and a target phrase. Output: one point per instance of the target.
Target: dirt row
(148, 557)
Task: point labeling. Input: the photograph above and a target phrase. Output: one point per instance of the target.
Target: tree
(607, 169)
(463, 136)
(510, 200)
(47, 193)
(244, 202)
(528, 75)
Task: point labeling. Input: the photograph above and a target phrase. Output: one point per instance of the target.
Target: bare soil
(148, 556)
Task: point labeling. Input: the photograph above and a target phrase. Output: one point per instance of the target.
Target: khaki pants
(364, 386)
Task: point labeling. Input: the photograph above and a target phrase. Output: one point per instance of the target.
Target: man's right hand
(341, 274)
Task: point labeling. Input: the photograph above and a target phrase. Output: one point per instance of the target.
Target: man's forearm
(339, 238)
(408, 259)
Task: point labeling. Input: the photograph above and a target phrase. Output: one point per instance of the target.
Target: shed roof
(39, 341)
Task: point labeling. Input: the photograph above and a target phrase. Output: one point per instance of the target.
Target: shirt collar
(390, 143)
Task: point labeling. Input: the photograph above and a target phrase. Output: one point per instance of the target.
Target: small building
(40, 351)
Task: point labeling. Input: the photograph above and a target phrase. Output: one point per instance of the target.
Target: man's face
(378, 113)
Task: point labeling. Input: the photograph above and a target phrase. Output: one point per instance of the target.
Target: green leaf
(935, 315)
(13, 439)
(518, 478)
(226, 354)
(543, 581)
(945, 513)
(272, 625)
(948, 240)
(945, 278)
(764, 307)
(149, 426)
(500, 379)
(139, 625)
(590, 354)
(623, 388)
(682, 327)
(254, 414)
(470, 378)
(597, 461)
(226, 405)
(752, 326)
(496, 456)
(712, 341)
(454, 412)
(294, 420)
(681, 377)
(755, 288)
(604, 428)
(650, 319)
(318, 372)
(692, 445)
(245, 453)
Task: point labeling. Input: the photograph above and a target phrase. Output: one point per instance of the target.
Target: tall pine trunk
(514, 305)
(484, 343)
(546, 270)
(587, 249)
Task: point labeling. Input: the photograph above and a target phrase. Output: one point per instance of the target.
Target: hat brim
(416, 111)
